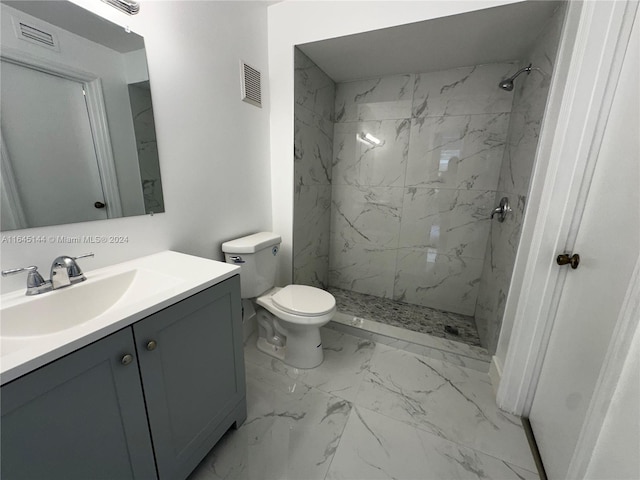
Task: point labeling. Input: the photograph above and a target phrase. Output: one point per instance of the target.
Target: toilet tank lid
(251, 243)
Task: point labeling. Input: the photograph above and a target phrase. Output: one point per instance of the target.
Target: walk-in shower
(400, 229)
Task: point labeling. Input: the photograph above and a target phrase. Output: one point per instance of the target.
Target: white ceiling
(75, 19)
(485, 36)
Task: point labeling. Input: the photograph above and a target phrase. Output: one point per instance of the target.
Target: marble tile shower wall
(313, 155)
(410, 216)
(517, 165)
(147, 147)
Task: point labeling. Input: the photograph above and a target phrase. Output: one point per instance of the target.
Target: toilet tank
(257, 256)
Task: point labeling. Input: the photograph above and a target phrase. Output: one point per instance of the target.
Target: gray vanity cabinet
(148, 401)
(192, 369)
(82, 416)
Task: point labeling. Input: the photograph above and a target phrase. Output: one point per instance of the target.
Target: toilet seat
(304, 300)
(266, 300)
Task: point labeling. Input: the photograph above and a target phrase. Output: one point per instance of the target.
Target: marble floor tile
(404, 340)
(450, 401)
(346, 359)
(377, 447)
(397, 336)
(394, 414)
(291, 432)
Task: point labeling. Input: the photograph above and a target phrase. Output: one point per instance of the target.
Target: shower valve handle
(502, 209)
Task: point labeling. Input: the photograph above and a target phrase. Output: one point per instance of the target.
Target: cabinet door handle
(151, 345)
(127, 359)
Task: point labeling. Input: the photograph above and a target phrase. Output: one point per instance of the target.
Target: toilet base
(303, 348)
(269, 349)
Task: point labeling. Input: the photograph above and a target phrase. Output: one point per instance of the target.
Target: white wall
(296, 22)
(213, 147)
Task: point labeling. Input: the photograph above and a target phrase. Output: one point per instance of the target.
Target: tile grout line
(354, 405)
(335, 452)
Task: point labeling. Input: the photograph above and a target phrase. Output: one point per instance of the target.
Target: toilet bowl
(289, 318)
(293, 316)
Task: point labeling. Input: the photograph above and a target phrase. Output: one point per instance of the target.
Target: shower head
(508, 83)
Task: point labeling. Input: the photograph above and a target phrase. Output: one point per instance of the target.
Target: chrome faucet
(64, 272)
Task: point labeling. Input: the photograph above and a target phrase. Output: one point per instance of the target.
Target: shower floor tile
(406, 315)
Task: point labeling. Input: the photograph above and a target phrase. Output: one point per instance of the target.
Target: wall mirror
(78, 139)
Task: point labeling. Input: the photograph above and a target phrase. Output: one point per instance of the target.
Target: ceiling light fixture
(127, 6)
(369, 139)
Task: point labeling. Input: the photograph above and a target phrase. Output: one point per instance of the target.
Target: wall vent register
(35, 34)
(250, 78)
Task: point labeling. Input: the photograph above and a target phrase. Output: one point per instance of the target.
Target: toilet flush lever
(236, 259)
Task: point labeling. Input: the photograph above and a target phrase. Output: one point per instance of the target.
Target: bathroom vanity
(147, 396)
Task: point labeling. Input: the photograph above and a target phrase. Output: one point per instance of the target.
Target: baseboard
(495, 374)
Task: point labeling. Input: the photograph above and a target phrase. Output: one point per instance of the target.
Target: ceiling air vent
(250, 85)
(35, 34)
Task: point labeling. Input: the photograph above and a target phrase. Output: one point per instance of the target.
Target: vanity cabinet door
(80, 417)
(192, 369)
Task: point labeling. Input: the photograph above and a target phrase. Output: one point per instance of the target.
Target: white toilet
(289, 318)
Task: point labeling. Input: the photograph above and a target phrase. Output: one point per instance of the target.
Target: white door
(45, 126)
(608, 244)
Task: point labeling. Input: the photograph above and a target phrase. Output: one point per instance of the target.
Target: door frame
(592, 49)
(97, 118)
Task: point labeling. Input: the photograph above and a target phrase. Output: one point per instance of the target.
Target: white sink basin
(78, 304)
(65, 308)
(35, 330)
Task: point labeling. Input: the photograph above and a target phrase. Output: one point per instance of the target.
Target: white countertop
(163, 279)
